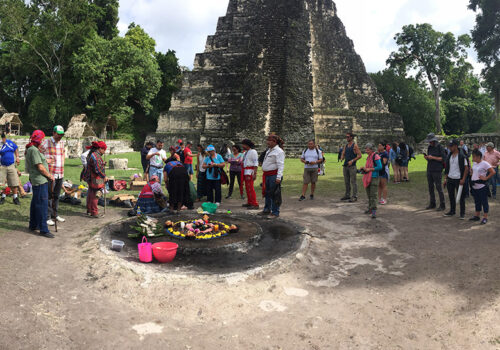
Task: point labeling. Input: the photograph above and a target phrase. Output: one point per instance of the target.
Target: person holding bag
(214, 165)
(371, 172)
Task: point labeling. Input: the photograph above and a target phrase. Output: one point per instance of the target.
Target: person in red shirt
(188, 159)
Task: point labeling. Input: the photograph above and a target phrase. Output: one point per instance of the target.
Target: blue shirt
(7, 152)
(170, 165)
(210, 171)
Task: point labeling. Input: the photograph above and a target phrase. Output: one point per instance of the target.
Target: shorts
(385, 176)
(189, 168)
(9, 173)
(310, 176)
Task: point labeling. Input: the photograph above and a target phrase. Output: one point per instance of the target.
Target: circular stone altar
(257, 242)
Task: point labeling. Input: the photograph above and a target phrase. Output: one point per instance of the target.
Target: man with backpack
(312, 158)
(350, 155)
(456, 170)
(435, 157)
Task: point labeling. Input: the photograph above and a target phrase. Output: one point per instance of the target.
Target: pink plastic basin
(165, 252)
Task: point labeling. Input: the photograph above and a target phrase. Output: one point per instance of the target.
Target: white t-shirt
(479, 169)
(157, 161)
(201, 160)
(312, 155)
(454, 172)
(83, 158)
(250, 159)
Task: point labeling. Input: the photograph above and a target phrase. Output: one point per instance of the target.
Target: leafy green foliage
(106, 13)
(112, 73)
(140, 39)
(408, 98)
(486, 38)
(467, 109)
(432, 54)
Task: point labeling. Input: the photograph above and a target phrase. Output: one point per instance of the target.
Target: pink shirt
(492, 157)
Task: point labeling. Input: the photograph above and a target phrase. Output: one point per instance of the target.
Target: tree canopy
(431, 54)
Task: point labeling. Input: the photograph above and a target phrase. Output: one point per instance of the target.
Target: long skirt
(178, 187)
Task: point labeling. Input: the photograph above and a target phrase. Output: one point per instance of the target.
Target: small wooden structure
(79, 127)
(11, 124)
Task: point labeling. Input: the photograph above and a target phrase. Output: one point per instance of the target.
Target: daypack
(180, 153)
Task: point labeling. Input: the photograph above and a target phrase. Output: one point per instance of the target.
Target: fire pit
(240, 242)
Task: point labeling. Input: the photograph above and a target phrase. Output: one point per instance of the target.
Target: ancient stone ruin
(278, 66)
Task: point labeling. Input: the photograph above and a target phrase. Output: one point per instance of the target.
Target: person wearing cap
(456, 170)
(250, 166)
(156, 157)
(9, 158)
(435, 157)
(188, 159)
(37, 168)
(214, 164)
(371, 172)
(53, 149)
(95, 176)
(273, 167)
(492, 156)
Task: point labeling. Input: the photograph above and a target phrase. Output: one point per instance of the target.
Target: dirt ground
(410, 279)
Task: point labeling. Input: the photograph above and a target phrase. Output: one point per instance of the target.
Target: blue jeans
(156, 171)
(39, 208)
(189, 168)
(270, 185)
(493, 182)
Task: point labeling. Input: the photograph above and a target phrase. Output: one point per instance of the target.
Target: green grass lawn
(330, 185)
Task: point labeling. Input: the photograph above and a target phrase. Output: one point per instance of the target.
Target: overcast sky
(183, 25)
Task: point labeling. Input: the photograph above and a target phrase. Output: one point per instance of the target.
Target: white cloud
(183, 26)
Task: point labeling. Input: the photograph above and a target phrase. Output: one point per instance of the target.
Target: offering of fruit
(233, 229)
(206, 218)
(168, 223)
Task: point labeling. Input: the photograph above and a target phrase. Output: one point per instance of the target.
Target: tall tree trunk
(437, 111)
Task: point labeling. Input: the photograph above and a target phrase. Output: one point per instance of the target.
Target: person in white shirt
(250, 164)
(156, 157)
(312, 158)
(481, 173)
(273, 167)
(456, 172)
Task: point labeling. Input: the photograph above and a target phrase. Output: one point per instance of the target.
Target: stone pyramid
(278, 66)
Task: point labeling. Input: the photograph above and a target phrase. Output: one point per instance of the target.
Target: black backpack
(317, 152)
(180, 153)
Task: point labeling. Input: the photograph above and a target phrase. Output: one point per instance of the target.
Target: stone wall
(75, 147)
(276, 66)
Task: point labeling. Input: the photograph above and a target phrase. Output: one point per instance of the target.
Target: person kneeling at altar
(151, 199)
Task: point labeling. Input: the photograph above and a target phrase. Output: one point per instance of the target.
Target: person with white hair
(371, 172)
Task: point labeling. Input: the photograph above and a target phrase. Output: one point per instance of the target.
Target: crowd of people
(45, 160)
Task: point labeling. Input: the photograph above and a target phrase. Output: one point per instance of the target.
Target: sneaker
(60, 219)
(217, 204)
(50, 222)
(475, 218)
(228, 197)
(484, 221)
(353, 199)
(272, 216)
(449, 214)
(462, 217)
(440, 209)
(47, 234)
(430, 206)
(264, 213)
(2, 200)
(246, 205)
(374, 214)
(345, 198)
(251, 207)
(383, 202)
(301, 198)
(311, 197)
(16, 201)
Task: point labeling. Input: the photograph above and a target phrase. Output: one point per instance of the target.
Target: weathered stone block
(118, 164)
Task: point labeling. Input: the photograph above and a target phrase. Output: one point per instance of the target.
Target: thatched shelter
(79, 127)
(11, 124)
